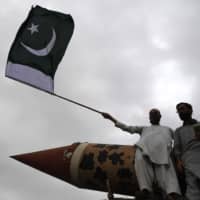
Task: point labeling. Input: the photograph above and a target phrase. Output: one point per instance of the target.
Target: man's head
(154, 116)
(184, 111)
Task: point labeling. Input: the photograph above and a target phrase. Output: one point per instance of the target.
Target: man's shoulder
(187, 126)
(182, 130)
(178, 128)
(166, 127)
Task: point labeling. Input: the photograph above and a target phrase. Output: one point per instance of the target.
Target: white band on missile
(75, 163)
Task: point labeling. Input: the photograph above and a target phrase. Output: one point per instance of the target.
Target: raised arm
(124, 127)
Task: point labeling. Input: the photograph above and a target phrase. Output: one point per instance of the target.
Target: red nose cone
(55, 162)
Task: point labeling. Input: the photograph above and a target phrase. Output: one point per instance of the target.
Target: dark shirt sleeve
(177, 145)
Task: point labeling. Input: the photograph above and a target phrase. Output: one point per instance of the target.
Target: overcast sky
(124, 58)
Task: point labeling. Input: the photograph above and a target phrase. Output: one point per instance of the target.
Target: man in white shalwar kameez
(152, 159)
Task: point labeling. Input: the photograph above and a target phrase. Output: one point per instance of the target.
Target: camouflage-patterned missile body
(89, 166)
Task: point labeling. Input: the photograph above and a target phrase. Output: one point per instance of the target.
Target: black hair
(184, 103)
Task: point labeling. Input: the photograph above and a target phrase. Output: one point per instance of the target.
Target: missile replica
(89, 166)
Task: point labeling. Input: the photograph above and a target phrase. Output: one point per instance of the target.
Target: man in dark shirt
(187, 150)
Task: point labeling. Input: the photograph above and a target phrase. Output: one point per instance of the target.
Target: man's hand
(108, 116)
(179, 165)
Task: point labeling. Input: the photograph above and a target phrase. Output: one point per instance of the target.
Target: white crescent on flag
(45, 51)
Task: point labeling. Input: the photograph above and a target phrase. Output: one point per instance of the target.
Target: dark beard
(185, 116)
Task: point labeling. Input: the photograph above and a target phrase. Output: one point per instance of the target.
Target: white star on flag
(33, 28)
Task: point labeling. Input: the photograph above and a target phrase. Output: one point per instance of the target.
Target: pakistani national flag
(39, 47)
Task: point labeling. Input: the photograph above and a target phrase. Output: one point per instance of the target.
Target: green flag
(39, 47)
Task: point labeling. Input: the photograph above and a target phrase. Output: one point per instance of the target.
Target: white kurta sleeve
(130, 129)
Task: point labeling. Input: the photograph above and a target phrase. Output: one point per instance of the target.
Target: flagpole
(75, 102)
(58, 96)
